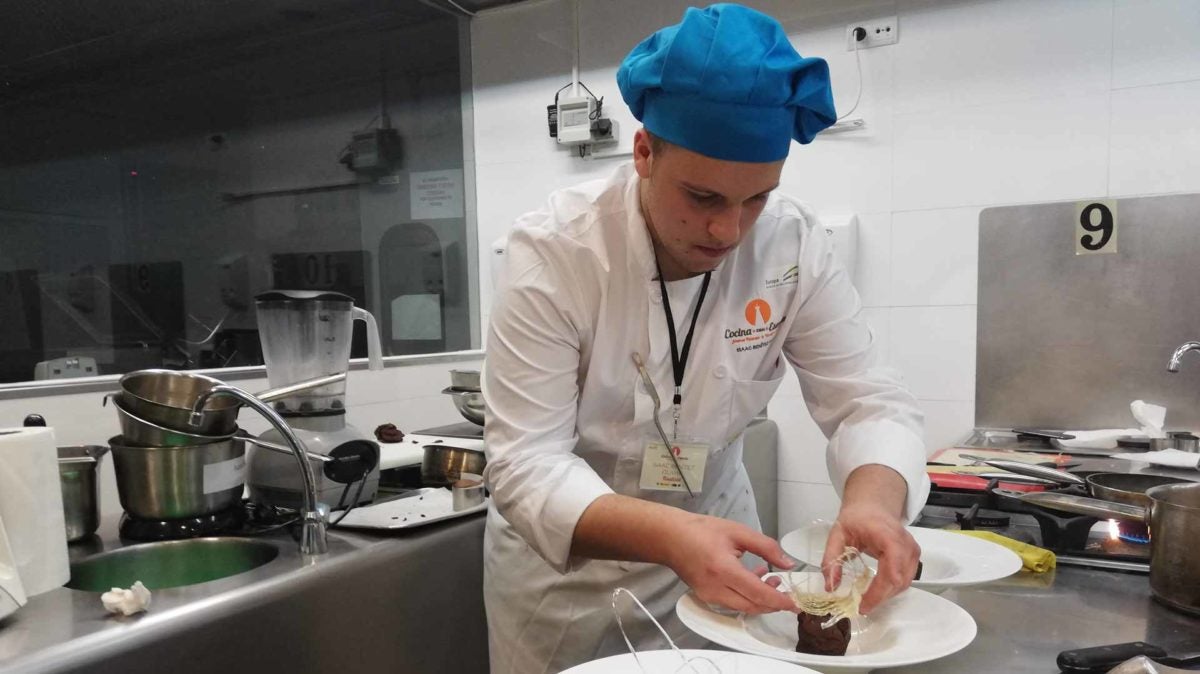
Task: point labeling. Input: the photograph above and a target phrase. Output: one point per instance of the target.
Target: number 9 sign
(1095, 227)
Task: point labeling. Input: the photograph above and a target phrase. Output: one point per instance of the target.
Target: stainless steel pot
(176, 482)
(166, 398)
(443, 465)
(77, 469)
(1174, 520)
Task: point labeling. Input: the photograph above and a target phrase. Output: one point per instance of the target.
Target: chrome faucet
(312, 531)
(1173, 366)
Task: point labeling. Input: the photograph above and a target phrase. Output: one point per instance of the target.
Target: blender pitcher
(306, 334)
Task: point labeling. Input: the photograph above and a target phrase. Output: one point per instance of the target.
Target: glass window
(162, 163)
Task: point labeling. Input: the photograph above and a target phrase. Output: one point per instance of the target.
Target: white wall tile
(947, 422)
(1025, 151)
(847, 171)
(1155, 42)
(934, 348)
(873, 269)
(1155, 139)
(953, 54)
(935, 257)
(801, 443)
(801, 503)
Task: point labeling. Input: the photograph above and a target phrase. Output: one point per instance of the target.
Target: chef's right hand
(706, 554)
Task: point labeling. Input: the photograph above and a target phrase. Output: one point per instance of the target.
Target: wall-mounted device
(578, 119)
(374, 152)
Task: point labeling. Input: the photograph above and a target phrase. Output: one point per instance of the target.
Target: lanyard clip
(675, 405)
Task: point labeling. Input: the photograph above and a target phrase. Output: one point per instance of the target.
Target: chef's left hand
(870, 520)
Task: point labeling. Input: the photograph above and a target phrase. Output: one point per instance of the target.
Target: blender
(306, 334)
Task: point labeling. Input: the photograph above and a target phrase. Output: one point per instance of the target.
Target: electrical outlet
(885, 30)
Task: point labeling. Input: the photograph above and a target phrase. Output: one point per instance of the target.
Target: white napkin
(1164, 457)
(1151, 418)
(126, 602)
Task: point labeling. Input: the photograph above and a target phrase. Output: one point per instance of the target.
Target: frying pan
(1127, 488)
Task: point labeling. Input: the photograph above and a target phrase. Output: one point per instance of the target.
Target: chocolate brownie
(817, 641)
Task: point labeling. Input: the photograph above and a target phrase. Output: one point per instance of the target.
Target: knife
(1103, 658)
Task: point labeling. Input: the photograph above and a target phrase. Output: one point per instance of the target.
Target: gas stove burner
(1133, 532)
(973, 520)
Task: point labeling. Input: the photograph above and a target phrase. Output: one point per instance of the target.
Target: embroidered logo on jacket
(787, 276)
(761, 328)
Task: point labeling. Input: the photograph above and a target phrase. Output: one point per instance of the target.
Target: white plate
(912, 627)
(948, 559)
(425, 506)
(667, 662)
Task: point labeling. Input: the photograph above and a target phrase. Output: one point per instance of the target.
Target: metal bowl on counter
(443, 465)
(468, 403)
(157, 483)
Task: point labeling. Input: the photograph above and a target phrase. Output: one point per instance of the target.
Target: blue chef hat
(726, 83)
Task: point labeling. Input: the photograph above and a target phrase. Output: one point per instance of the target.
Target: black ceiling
(46, 45)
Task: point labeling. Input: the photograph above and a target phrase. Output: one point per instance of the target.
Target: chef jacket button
(656, 297)
(719, 372)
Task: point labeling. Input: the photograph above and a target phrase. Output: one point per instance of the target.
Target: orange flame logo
(756, 310)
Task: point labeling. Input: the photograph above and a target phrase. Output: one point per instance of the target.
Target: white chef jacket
(568, 416)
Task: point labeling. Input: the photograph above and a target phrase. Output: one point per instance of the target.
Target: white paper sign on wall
(436, 194)
(1096, 227)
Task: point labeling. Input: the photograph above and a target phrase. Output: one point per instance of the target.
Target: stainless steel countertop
(292, 612)
(1026, 620)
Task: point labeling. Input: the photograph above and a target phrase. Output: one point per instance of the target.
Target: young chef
(689, 262)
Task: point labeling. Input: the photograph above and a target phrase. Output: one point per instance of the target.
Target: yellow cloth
(1033, 558)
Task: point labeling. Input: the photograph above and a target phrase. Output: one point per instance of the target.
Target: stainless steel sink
(171, 563)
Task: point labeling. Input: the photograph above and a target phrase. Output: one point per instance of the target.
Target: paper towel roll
(32, 508)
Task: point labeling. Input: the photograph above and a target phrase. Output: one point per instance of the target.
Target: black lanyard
(678, 359)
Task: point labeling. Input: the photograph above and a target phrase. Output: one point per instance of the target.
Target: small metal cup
(466, 492)
(77, 469)
(1185, 441)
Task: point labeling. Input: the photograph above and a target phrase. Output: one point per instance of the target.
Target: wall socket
(885, 30)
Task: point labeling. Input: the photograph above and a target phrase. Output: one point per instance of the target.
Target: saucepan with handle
(1173, 516)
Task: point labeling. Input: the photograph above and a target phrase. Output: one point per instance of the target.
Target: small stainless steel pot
(443, 465)
(77, 470)
(174, 482)
(1174, 520)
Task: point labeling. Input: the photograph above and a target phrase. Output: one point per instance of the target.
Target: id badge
(659, 472)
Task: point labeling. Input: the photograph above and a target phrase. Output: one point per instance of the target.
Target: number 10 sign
(1095, 227)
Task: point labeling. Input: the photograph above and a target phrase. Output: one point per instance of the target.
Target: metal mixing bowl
(138, 431)
(159, 483)
(165, 397)
(468, 403)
